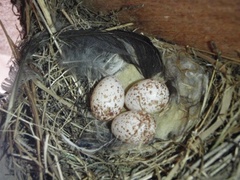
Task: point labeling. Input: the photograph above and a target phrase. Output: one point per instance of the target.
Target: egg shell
(107, 99)
(148, 95)
(136, 127)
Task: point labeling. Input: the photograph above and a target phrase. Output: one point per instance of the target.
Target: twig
(60, 99)
(10, 42)
(46, 14)
(119, 27)
(50, 29)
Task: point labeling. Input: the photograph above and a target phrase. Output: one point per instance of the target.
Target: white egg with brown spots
(107, 99)
(148, 95)
(135, 127)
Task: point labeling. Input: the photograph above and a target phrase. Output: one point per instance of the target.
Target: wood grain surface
(185, 22)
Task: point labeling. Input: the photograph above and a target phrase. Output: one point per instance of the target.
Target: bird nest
(50, 134)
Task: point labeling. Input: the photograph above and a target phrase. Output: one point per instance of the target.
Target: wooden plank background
(185, 22)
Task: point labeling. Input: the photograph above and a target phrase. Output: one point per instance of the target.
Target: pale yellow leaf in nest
(170, 122)
(128, 75)
(175, 120)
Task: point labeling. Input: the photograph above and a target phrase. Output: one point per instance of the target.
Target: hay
(51, 114)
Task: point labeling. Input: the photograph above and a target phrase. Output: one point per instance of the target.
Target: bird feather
(92, 54)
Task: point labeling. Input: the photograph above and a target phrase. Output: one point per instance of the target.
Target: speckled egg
(148, 95)
(136, 127)
(107, 99)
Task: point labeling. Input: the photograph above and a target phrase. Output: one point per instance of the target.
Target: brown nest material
(51, 113)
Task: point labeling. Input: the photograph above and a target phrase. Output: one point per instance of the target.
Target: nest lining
(51, 113)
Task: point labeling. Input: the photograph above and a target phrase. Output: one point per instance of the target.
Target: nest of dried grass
(51, 114)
